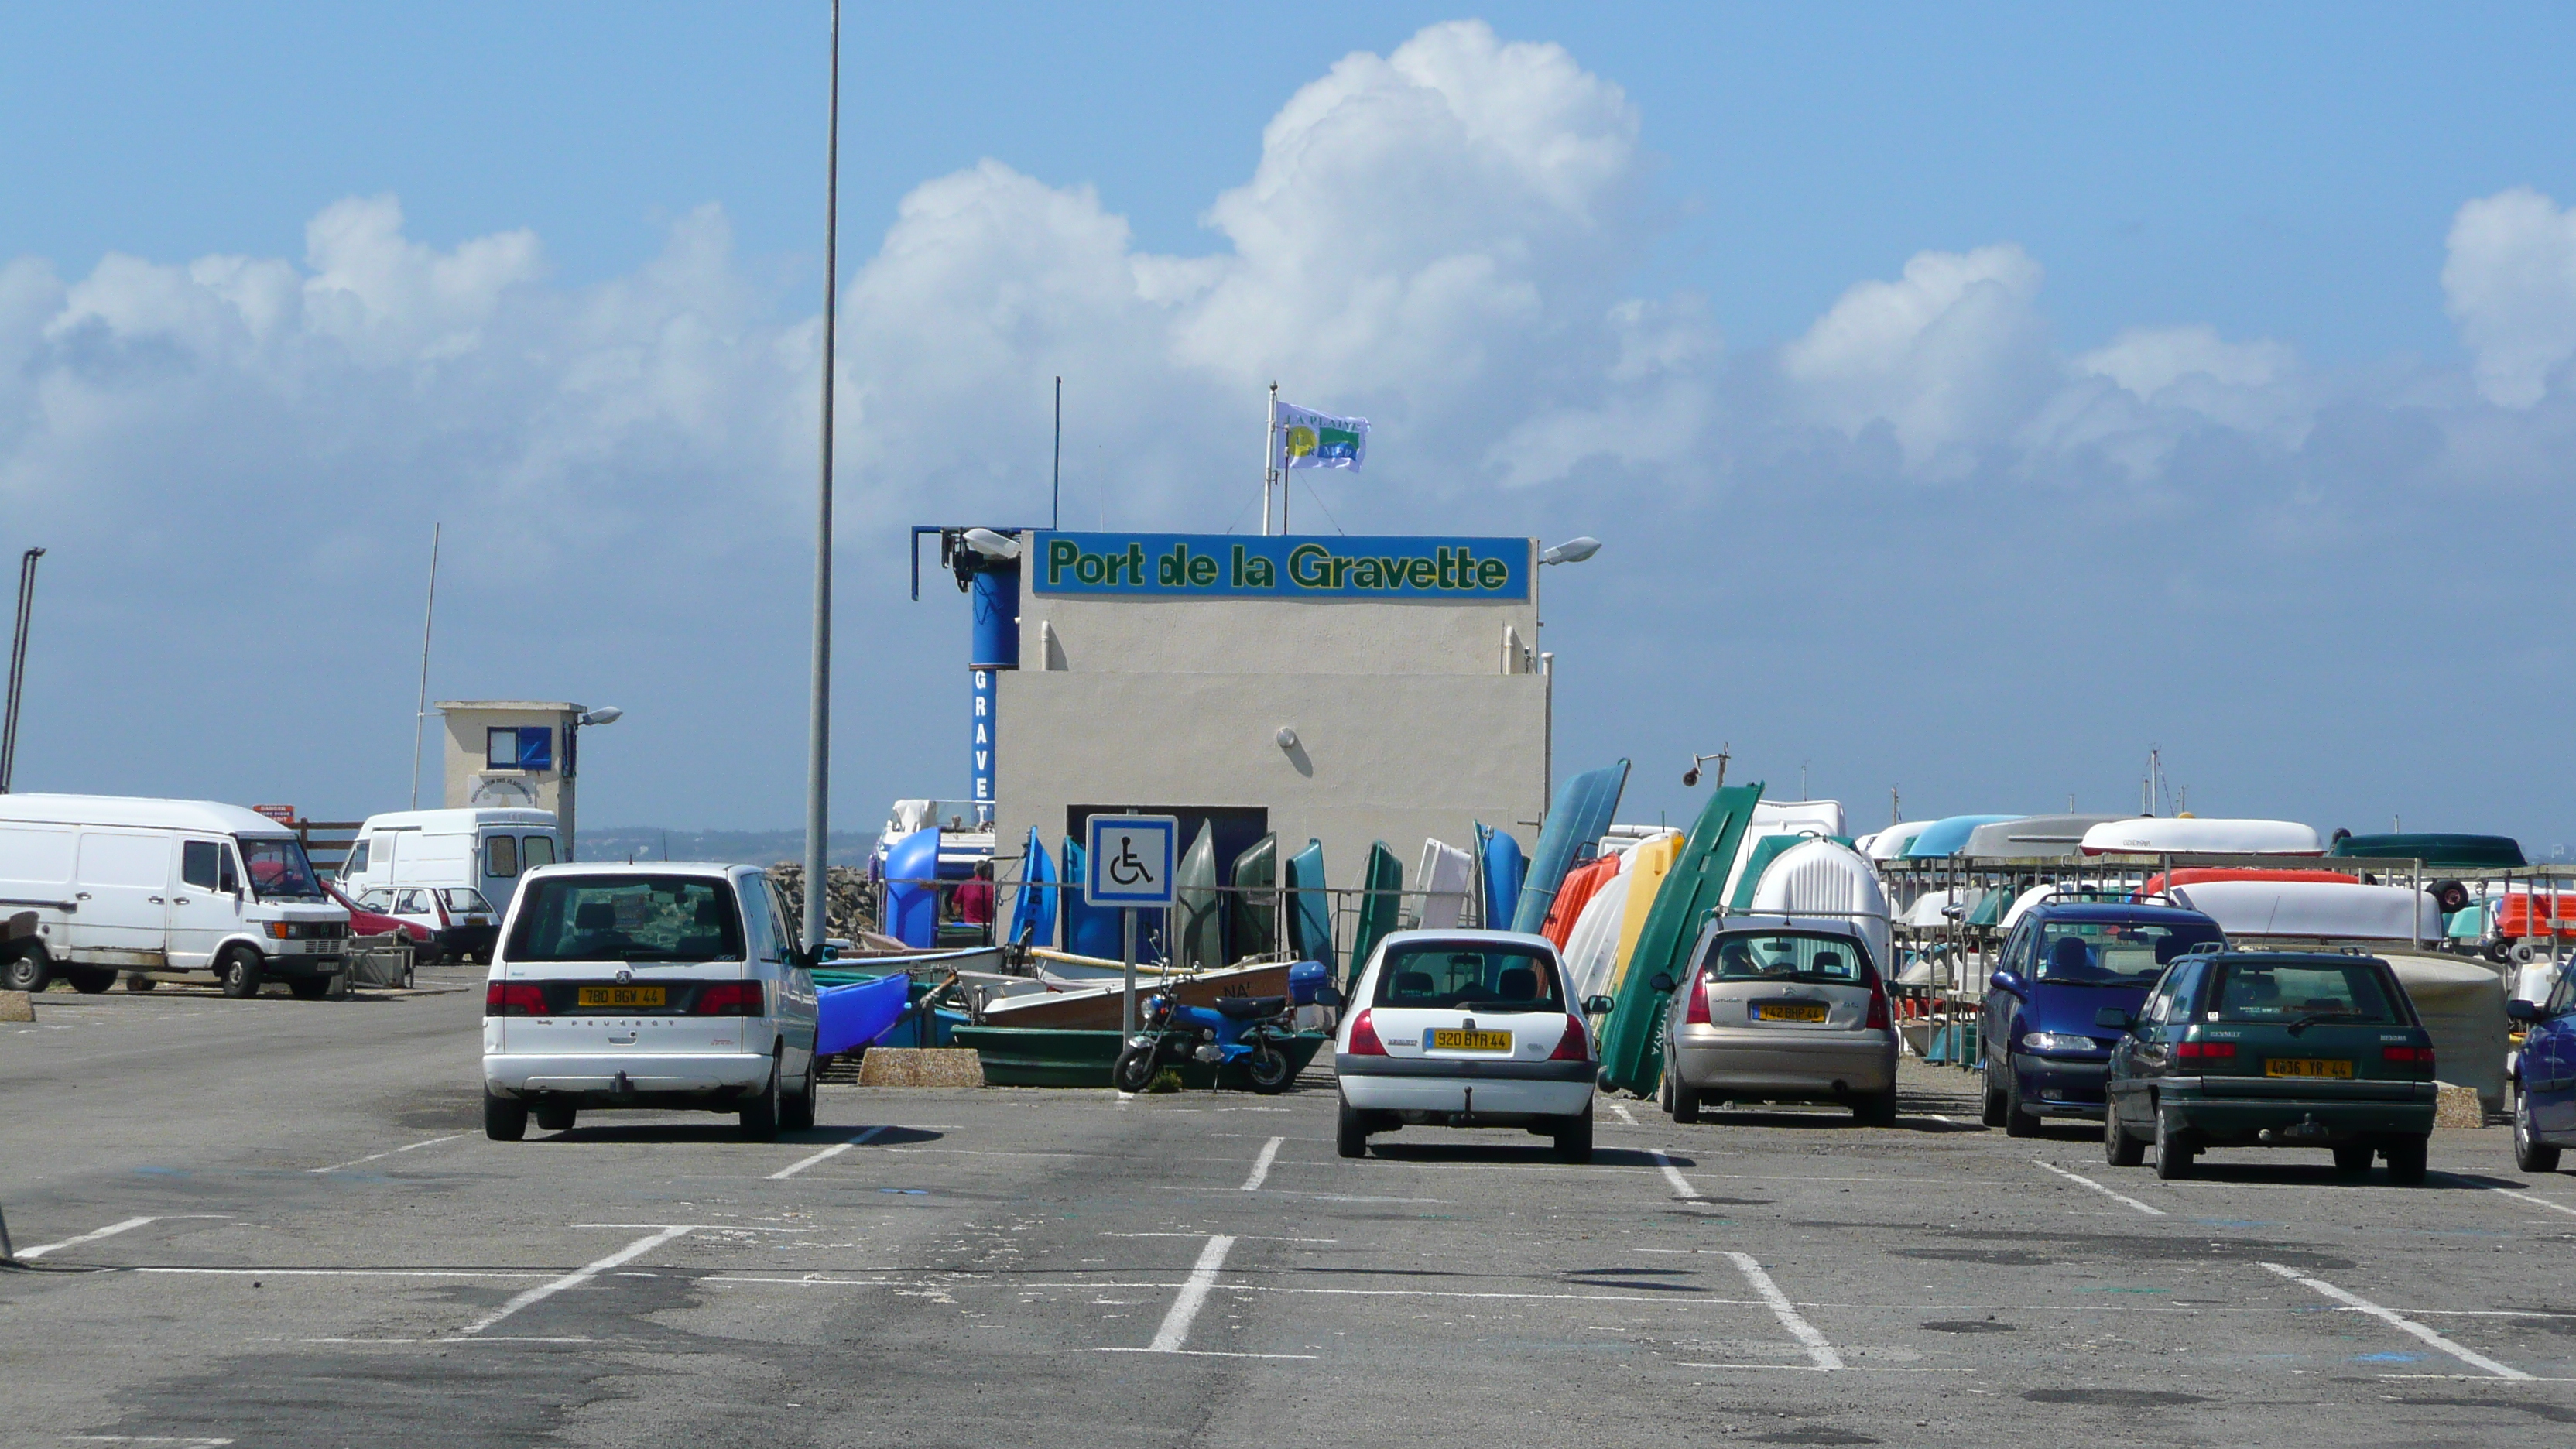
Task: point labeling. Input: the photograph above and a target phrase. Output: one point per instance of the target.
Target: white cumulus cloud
(2510, 281)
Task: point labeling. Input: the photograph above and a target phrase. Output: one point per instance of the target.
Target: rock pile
(849, 906)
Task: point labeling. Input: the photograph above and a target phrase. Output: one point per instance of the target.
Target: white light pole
(1573, 550)
(818, 771)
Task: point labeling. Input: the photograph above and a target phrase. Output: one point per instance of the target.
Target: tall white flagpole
(1270, 459)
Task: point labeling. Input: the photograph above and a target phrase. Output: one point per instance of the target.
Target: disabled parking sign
(1130, 860)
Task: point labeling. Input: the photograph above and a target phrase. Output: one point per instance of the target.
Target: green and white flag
(1319, 440)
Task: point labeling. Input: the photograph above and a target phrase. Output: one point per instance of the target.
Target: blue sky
(1966, 344)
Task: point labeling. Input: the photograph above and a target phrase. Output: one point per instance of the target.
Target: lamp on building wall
(992, 545)
(1286, 737)
(1573, 550)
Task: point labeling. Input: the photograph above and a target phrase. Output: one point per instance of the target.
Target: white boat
(1445, 874)
(1592, 947)
(2319, 911)
(1889, 844)
(2462, 1004)
(2054, 890)
(1931, 908)
(1796, 817)
(2032, 835)
(2182, 834)
(1830, 884)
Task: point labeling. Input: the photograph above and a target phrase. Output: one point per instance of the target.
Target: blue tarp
(854, 1015)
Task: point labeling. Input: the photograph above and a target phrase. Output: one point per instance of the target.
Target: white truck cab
(152, 887)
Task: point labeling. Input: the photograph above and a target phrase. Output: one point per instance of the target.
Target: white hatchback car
(666, 987)
(1465, 1029)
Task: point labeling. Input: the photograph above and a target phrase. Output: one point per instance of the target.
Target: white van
(485, 851)
(137, 885)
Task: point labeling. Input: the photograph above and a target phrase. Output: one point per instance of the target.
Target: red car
(364, 922)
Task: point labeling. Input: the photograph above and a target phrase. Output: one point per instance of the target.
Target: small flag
(1318, 440)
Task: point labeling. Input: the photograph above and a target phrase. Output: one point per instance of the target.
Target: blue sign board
(982, 773)
(1129, 861)
(1278, 566)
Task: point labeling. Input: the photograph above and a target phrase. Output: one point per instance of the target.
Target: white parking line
(2394, 1320)
(828, 1153)
(578, 1276)
(388, 1152)
(1673, 1175)
(2153, 1212)
(111, 1230)
(1185, 1307)
(2556, 1207)
(1818, 1349)
(1261, 1164)
(1620, 1111)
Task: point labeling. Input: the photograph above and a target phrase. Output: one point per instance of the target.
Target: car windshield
(638, 918)
(278, 869)
(464, 898)
(1437, 975)
(2116, 953)
(2291, 992)
(1787, 956)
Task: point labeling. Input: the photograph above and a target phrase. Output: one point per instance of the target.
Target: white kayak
(2181, 834)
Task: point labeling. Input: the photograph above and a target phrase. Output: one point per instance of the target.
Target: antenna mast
(428, 614)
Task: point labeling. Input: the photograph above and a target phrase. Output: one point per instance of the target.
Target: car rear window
(1787, 956)
(1437, 976)
(638, 918)
(2261, 991)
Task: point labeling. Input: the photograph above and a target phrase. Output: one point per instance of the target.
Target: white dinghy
(2185, 834)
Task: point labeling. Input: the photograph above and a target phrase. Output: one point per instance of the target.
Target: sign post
(1128, 864)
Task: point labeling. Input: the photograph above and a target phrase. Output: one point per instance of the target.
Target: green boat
(1382, 880)
(1256, 899)
(2438, 852)
(1310, 911)
(1198, 912)
(1632, 1049)
(1039, 1057)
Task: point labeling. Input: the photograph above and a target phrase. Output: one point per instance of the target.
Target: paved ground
(309, 1242)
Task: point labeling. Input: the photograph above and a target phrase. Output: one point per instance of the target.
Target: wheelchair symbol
(1126, 869)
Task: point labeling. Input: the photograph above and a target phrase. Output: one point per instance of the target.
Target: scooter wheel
(1135, 1069)
(1269, 1068)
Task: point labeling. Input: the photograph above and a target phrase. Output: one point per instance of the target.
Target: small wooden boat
(1036, 1057)
(1097, 1008)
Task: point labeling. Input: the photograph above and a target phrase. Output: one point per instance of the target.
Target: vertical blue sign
(982, 773)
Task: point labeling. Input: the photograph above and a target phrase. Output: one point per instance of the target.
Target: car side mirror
(2112, 1018)
(1662, 982)
(2520, 1010)
(1328, 995)
(1599, 1006)
(2009, 982)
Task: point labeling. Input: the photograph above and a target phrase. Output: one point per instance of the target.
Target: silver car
(1778, 1009)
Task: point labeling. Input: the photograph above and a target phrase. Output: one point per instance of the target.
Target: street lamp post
(1573, 550)
(818, 772)
(605, 714)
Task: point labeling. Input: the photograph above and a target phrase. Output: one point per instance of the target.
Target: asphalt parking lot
(299, 1236)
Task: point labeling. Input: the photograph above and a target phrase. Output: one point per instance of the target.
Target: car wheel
(90, 981)
(2017, 1123)
(2405, 1161)
(798, 1107)
(1350, 1133)
(1683, 1099)
(1994, 1105)
(2173, 1159)
(505, 1119)
(2529, 1154)
(1574, 1139)
(238, 971)
(552, 1118)
(309, 988)
(1878, 1109)
(2119, 1148)
(140, 982)
(29, 971)
(2352, 1159)
(1135, 1069)
(760, 1118)
(1270, 1068)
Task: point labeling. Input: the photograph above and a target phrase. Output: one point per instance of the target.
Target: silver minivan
(1781, 1009)
(663, 987)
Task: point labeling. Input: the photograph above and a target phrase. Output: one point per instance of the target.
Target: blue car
(2045, 1054)
(2544, 1106)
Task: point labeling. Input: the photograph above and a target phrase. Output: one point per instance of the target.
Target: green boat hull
(1038, 1057)
(1383, 881)
(1632, 1048)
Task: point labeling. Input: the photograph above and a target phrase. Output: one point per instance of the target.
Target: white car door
(206, 905)
(121, 889)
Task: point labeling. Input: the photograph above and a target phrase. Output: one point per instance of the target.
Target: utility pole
(17, 666)
(818, 773)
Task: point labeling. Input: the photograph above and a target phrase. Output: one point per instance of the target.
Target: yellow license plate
(1789, 1011)
(2304, 1067)
(621, 996)
(1471, 1041)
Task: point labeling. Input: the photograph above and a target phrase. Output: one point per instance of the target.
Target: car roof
(1521, 940)
(2124, 912)
(639, 867)
(2300, 958)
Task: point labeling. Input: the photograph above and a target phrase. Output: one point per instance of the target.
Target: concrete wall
(1412, 719)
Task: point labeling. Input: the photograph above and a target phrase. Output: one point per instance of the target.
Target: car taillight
(1364, 1042)
(1877, 1019)
(1695, 1010)
(513, 998)
(2205, 1051)
(2413, 1056)
(728, 998)
(1575, 1045)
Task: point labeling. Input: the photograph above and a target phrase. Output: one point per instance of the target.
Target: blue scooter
(1247, 1029)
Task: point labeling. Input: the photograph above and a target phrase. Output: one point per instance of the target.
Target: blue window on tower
(519, 747)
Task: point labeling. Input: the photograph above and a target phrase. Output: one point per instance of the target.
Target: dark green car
(2272, 1049)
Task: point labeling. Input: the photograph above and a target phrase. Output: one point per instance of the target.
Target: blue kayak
(1583, 811)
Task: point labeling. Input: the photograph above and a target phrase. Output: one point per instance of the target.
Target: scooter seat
(1250, 1008)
